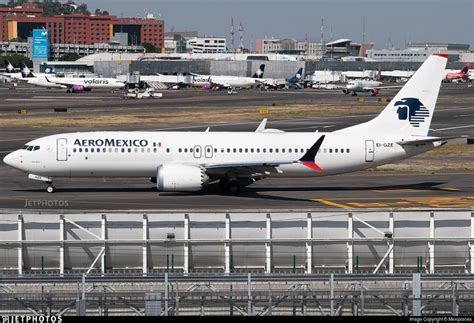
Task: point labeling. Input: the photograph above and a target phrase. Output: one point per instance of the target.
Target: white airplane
(10, 73)
(188, 161)
(291, 82)
(227, 81)
(80, 84)
(39, 79)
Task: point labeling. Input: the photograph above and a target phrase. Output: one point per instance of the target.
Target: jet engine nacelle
(180, 178)
(346, 91)
(77, 88)
(374, 92)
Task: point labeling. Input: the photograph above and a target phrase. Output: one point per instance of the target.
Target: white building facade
(207, 45)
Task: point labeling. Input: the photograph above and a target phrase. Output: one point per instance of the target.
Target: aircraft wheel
(68, 91)
(230, 187)
(50, 189)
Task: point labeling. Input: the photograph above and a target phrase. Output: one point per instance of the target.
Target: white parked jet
(227, 81)
(187, 161)
(372, 86)
(80, 84)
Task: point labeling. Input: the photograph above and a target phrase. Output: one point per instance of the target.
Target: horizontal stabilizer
(427, 140)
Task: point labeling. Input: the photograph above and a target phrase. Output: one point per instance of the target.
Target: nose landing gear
(50, 188)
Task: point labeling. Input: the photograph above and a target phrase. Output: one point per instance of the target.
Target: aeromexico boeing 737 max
(187, 161)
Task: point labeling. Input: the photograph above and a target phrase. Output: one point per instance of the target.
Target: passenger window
(104, 150)
(148, 150)
(179, 150)
(270, 150)
(240, 150)
(283, 150)
(289, 150)
(167, 150)
(347, 150)
(258, 150)
(342, 150)
(123, 150)
(215, 150)
(336, 150)
(185, 150)
(264, 150)
(74, 150)
(251, 150)
(92, 150)
(116, 150)
(246, 150)
(276, 150)
(136, 150)
(155, 150)
(80, 150)
(190, 150)
(228, 150)
(86, 150)
(330, 150)
(325, 150)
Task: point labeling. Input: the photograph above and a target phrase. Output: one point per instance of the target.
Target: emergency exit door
(61, 149)
(369, 150)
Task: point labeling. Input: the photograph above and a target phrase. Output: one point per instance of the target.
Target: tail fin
(48, 69)
(25, 71)
(299, 73)
(411, 110)
(378, 76)
(259, 72)
(8, 67)
(466, 68)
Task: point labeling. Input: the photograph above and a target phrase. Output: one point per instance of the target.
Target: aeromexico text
(111, 142)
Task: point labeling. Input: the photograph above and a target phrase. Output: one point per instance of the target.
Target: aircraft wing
(427, 140)
(68, 84)
(220, 84)
(383, 87)
(254, 168)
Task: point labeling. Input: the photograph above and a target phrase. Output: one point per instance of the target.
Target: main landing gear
(230, 185)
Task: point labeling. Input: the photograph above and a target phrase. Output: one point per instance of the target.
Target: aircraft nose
(11, 159)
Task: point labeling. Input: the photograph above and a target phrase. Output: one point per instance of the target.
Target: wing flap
(427, 140)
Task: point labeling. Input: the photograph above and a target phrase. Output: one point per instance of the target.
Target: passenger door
(208, 151)
(369, 150)
(61, 149)
(197, 152)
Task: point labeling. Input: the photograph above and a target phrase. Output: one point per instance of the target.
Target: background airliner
(80, 84)
(227, 81)
(372, 86)
(291, 82)
(464, 74)
(187, 161)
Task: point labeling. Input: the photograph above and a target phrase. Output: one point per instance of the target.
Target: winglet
(308, 158)
(207, 130)
(262, 125)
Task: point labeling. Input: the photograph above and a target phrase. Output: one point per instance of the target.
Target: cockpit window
(31, 148)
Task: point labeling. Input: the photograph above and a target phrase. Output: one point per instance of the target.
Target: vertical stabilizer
(411, 110)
